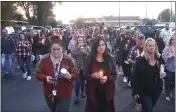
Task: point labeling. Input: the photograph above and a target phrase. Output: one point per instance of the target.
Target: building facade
(113, 21)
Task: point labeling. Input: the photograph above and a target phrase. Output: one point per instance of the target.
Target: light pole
(119, 14)
(171, 13)
(146, 11)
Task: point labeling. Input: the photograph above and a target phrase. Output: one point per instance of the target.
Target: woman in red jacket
(57, 71)
(101, 75)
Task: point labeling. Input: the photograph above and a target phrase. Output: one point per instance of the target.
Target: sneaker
(124, 79)
(168, 98)
(18, 66)
(129, 84)
(29, 77)
(76, 100)
(24, 75)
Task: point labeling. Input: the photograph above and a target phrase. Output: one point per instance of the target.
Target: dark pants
(26, 60)
(149, 101)
(169, 82)
(61, 105)
(79, 82)
(127, 71)
(92, 106)
(35, 60)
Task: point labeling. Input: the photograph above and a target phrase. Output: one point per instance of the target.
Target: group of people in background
(90, 60)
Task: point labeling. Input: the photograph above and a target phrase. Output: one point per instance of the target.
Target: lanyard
(57, 66)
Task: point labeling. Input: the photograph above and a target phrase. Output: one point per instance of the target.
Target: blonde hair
(145, 54)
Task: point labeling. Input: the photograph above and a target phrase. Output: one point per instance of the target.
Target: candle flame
(101, 72)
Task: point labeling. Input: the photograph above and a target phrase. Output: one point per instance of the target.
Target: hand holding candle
(97, 75)
(103, 79)
(101, 74)
(65, 73)
(162, 73)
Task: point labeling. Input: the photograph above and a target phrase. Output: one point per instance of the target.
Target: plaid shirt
(23, 49)
(79, 57)
(135, 52)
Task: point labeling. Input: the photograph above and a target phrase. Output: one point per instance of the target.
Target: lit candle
(162, 68)
(101, 73)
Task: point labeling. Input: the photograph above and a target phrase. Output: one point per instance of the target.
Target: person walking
(79, 53)
(100, 76)
(147, 76)
(23, 53)
(57, 71)
(169, 53)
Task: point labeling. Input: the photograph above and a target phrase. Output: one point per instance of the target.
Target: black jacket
(146, 78)
(44, 48)
(160, 43)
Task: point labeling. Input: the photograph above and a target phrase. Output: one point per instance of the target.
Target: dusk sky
(72, 10)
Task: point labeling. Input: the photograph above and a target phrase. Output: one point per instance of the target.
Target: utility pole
(119, 14)
(146, 11)
(171, 13)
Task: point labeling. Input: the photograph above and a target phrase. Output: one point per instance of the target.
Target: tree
(51, 22)
(79, 23)
(37, 10)
(147, 21)
(30, 10)
(7, 10)
(18, 16)
(164, 16)
(59, 22)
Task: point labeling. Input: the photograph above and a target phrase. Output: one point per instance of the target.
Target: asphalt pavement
(19, 95)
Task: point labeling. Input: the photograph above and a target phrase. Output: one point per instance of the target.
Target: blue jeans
(26, 60)
(148, 102)
(79, 82)
(7, 59)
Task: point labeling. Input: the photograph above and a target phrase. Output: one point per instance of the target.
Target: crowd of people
(89, 61)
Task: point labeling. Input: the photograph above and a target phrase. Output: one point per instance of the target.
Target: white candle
(63, 71)
(162, 68)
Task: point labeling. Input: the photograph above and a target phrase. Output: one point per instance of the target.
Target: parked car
(34, 27)
(147, 30)
(27, 32)
(9, 29)
(17, 28)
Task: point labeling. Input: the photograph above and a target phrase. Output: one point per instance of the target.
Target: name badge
(54, 92)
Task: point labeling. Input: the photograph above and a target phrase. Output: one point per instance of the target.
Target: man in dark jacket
(34, 39)
(160, 42)
(8, 49)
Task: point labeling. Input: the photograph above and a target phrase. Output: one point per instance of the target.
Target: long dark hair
(106, 55)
